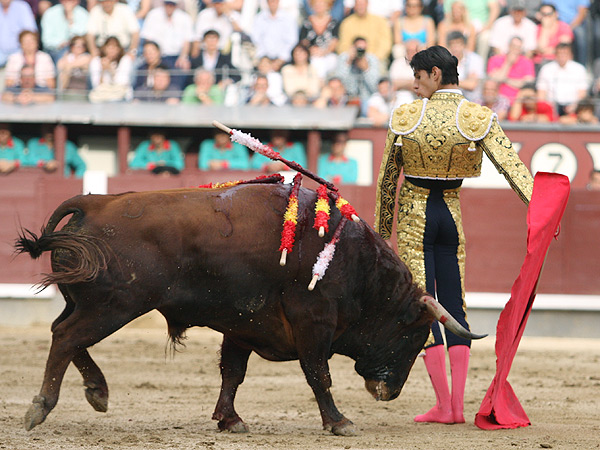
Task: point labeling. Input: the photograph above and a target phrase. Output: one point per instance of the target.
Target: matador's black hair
(440, 57)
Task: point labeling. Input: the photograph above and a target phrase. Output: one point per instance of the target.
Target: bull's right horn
(444, 317)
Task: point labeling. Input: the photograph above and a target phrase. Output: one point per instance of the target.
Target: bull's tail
(77, 257)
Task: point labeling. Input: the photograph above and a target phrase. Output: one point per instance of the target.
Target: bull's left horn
(444, 317)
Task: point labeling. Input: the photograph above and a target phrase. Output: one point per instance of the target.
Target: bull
(208, 257)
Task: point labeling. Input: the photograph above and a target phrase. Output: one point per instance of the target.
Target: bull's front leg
(234, 362)
(313, 343)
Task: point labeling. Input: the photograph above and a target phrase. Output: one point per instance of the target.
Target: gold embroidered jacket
(443, 137)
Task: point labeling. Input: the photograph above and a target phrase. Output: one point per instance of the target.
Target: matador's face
(425, 84)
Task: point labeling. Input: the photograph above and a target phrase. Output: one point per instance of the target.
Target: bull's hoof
(233, 426)
(97, 397)
(35, 414)
(344, 428)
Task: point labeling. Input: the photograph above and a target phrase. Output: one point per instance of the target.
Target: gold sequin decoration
(436, 148)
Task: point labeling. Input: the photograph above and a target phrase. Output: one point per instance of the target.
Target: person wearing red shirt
(528, 108)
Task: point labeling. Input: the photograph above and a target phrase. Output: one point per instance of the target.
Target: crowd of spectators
(301, 52)
(526, 60)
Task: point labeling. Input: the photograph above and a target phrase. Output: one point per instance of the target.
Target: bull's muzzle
(380, 390)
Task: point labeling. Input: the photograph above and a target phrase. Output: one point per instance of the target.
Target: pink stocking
(459, 365)
(435, 362)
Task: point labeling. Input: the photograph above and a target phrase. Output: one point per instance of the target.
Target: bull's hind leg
(80, 330)
(96, 391)
(234, 362)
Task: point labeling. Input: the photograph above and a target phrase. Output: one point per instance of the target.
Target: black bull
(209, 257)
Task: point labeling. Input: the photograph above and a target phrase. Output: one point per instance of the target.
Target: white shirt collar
(450, 91)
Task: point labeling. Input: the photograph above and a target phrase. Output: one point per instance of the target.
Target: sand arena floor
(162, 402)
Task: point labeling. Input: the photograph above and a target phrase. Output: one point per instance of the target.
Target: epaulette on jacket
(406, 118)
(473, 120)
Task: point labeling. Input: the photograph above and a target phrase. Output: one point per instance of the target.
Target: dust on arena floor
(161, 401)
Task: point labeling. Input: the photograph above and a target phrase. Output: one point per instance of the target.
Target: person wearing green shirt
(204, 90)
(11, 150)
(158, 155)
(220, 153)
(337, 167)
(292, 151)
(40, 153)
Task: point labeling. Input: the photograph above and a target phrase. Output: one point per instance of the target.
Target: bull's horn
(444, 317)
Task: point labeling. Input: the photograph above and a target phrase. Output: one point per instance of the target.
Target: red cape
(500, 407)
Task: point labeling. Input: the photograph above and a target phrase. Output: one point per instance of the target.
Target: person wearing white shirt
(514, 24)
(172, 29)
(274, 34)
(110, 18)
(470, 65)
(60, 23)
(220, 18)
(563, 81)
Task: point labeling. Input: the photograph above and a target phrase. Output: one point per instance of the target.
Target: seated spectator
(109, 18)
(211, 58)
(172, 29)
(390, 9)
(204, 90)
(336, 7)
(493, 99)
(266, 67)
(11, 150)
(457, 20)
(381, 103)
(274, 34)
(222, 154)
(515, 24)
(333, 95)
(319, 32)
(300, 75)
(73, 70)
(359, 71)
(336, 166)
(31, 56)
(576, 14)
(162, 90)
(550, 33)
(60, 23)
(158, 155)
(300, 99)
(594, 181)
(414, 25)
(527, 107)
(40, 153)
(257, 96)
(584, 114)
(152, 59)
(292, 151)
(512, 70)
(110, 73)
(26, 92)
(563, 82)
(401, 74)
(220, 17)
(374, 29)
(470, 65)
(15, 17)
(482, 15)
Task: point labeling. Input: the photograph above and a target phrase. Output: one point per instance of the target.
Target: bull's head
(385, 381)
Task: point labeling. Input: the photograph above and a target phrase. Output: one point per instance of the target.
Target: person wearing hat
(516, 23)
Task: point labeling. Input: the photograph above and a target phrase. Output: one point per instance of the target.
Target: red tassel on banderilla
(322, 212)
